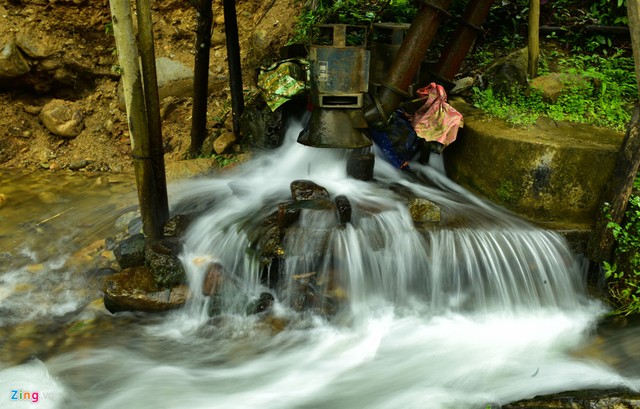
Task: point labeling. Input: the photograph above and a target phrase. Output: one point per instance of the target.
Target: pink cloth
(436, 120)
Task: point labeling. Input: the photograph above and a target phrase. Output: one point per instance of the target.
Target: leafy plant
(602, 98)
(225, 160)
(356, 12)
(624, 276)
(575, 18)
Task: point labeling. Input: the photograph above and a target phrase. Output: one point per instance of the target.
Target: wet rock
(12, 62)
(305, 291)
(135, 289)
(587, 399)
(162, 260)
(124, 219)
(130, 251)
(62, 118)
(134, 226)
(307, 190)
(343, 206)
(268, 244)
(263, 304)
(168, 245)
(288, 214)
(309, 294)
(224, 142)
(100, 272)
(212, 279)
(177, 225)
(424, 211)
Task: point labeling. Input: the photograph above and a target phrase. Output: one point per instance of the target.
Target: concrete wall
(548, 173)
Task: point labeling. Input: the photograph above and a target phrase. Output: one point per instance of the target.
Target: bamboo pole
(136, 117)
(201, 74)
(157, 189)
(233, 58)
(534, 38)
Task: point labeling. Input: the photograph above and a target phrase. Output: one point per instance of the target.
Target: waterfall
(479, 309)
(484, 259)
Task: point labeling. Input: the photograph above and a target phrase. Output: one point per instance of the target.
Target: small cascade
(477, 258)
(350, 299)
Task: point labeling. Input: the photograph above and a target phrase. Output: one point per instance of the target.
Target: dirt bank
(64, 50)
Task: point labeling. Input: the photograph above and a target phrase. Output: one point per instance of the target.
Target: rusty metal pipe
(462, 39)
(407, 61)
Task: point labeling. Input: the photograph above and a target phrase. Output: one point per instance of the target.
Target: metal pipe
(201, 75)
(407, 61)
(233, 57)
(462, 39)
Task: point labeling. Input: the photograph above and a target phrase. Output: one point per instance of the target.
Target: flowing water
(483, 310)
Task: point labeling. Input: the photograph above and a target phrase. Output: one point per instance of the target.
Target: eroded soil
(71, 55)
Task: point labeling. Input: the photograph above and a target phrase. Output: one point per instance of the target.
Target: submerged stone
(263, 304)
(424, 211)
(212, 279)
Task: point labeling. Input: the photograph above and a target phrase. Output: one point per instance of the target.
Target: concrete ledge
(551, 173)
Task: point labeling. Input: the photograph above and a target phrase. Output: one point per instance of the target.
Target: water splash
(484, 308)
(480, 258)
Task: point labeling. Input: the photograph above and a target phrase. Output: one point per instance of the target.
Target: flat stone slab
(548, 173)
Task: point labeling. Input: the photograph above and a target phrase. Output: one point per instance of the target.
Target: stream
(482, 310)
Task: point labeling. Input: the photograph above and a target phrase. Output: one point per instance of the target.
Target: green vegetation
(357, 12)
(574, 20)
(602, 97)
(224, 160)
(623, 276)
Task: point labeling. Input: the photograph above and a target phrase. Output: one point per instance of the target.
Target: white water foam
(484, 310)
